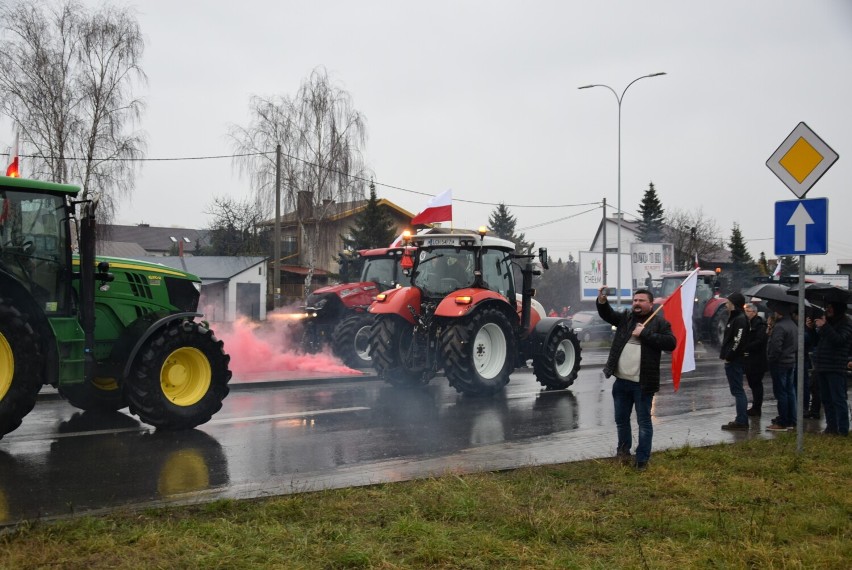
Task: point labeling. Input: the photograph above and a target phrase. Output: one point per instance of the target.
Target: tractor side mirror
(542, 256)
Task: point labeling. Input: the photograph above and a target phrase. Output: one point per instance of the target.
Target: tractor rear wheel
(181, 377)
(717, 326)
(479, 353)
(391, 346)
(556, 368)
(350, 340)
(20, 378)
(99, 395)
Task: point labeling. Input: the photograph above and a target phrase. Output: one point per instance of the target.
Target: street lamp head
(657, 74)
(586, 86)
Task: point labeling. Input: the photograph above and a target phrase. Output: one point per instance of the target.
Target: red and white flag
(777, 272)
(438, 209)
(696, 260)
(13, 168)
(678, 311)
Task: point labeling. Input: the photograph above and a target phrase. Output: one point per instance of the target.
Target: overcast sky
(482, 97)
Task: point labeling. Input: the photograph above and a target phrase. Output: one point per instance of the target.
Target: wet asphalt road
(287, 437)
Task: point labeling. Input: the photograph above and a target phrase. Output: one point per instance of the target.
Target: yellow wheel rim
(185, 376)
(7, 366)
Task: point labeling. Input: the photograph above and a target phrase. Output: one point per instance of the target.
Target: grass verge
(755, 504)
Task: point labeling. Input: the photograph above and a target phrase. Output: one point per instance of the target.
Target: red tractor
(709, 316)
(462, 315)
(337, 315)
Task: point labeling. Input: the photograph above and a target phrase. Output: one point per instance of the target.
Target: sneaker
(753, 412)
(776, 427)
(641, 465)
(735, 426)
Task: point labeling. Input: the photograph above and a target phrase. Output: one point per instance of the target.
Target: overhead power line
(352, 176)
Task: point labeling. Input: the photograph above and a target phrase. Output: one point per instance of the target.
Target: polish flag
(696, 260)
(13, 170)
(438, 209)
(777, 272)
(678, 310)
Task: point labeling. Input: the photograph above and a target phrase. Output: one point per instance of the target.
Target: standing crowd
(752, 346)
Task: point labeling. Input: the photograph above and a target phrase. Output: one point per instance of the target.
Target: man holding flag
(634, 360)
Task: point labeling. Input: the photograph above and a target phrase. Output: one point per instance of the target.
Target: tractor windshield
(33, 244)
(441, 271)
(380, 270)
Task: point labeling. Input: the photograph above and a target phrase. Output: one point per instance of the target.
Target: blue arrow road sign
(801, 227)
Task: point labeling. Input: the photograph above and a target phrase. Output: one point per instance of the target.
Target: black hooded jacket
(733, 344)
(834, 343)
(656, 338)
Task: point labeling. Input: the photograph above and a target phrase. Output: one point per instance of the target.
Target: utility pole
(603, 237)
(276, 262)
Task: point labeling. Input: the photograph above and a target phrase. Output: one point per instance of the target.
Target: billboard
(591, 274)
(649, 262)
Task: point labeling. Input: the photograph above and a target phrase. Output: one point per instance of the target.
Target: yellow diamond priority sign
(801, 160)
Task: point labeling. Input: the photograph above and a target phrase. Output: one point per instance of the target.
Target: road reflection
(99, 460)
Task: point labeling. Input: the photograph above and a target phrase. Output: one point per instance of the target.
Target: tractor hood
(123, 264)
(350, 294)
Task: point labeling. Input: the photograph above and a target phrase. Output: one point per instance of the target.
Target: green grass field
(756, 504)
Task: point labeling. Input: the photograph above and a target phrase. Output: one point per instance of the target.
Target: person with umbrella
(781, 351)
(831, 358)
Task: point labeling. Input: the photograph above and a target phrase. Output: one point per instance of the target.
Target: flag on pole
(13, 168)
(777, 272)
(438, 209)
(678, 311)
(696, 260)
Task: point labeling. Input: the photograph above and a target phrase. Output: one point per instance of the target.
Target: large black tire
(391, 344)
(181, 377)
(479, 353)
(350, 340)
(99, 395)
(717, 326)
(556, 368)
(20, 376)
(312, 339)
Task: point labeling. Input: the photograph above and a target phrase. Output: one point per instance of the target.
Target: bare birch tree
(321, 136)
(692, 233)
(67, 82)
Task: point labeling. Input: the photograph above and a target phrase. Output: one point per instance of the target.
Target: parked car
(589, 326)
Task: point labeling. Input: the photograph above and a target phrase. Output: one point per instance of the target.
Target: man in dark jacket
(831, 358)
(754, 357)
(781, 353)
(733, 348)
(634, 360)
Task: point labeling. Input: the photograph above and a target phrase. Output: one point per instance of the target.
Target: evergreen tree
(373, 226)
(652, 215)
(789, 265)
(743, 267)
(502, 223)
(762, 265)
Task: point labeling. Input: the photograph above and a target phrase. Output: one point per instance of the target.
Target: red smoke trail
(269, 350)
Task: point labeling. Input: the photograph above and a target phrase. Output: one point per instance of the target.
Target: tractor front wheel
(20, 379)
(479, 353)
(350, 340)
(392, 346)
(181, 377)
(556, 368)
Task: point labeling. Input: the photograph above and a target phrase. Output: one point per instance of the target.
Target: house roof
(154, 238)
(209, 268)
(121, 249)
(339, 211)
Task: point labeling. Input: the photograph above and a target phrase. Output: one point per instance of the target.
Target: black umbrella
(822, 293)
(769, 292)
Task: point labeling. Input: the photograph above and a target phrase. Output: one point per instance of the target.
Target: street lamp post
(618, 213)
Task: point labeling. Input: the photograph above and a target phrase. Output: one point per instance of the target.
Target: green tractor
(107, 333)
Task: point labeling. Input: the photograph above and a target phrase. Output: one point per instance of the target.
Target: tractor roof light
(482, 231)
(718, 270)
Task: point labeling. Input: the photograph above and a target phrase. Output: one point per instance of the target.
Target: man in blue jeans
(781, 352)
(732, 352)
(634, 359)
